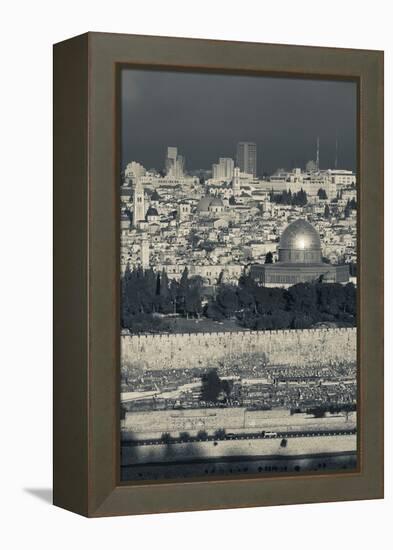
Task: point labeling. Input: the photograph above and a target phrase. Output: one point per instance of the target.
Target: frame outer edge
(70, 268)
(105, 498)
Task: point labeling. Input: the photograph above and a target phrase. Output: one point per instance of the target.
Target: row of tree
(300, 306)
(351, 205)
(145, 293)
(333, 210)
(287, 197)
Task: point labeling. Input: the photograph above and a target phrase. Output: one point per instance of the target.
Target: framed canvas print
(218, 274)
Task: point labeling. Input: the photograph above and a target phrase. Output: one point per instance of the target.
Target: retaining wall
(152, 424)
(182, 452)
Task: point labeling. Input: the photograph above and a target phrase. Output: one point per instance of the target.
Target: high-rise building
(172, 153)
(174, 163)
(180, 165)
(223, 170)
(139, 204)
(246, 157)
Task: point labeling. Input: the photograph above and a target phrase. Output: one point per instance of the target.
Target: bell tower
(139, 204)
(236, 181)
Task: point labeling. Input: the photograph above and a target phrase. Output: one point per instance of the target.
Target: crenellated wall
(282, 347)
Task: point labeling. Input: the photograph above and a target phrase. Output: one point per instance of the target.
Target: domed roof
(300, 243)
(204, 203)
(300, 235)
(216, 202)
(151, 212)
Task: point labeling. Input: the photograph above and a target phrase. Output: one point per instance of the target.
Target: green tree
(227, 300)
(350, 299)
(174, 294)
(193, 296)
(125, 305)
(322, 194)
(303, 297)
(220, 433)
(184, 279)
(211, 386)
(300, 198)
(301, 321)
(166, 438)
(164, 288)
(193, 302)
(269, 258)
(213, 311)
(220, 279)
(227, 387)
(165, 301)
(202, 434)
(183, 290)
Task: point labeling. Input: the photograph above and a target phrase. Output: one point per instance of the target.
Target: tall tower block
(139, 204)
(246, 157)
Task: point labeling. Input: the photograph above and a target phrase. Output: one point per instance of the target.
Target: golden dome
(300, 243)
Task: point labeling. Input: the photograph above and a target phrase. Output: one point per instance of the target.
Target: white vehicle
(270, 435)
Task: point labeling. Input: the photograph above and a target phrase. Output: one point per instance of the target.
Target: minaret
(139, 204)
(145, 252)
(236, 181)
(317, 159)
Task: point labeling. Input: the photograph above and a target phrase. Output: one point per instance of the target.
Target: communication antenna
(317, 159)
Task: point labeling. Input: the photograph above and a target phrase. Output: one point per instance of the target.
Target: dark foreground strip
(241, 458)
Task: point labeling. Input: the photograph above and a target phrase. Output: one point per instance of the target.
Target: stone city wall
(282, 347)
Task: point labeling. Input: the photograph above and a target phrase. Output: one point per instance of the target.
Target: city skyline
(284, 117)
(224, 167)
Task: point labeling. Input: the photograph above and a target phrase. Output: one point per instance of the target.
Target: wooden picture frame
(86, 273)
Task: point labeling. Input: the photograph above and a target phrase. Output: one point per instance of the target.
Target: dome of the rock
(300, 243)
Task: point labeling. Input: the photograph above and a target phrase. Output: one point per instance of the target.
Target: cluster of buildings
(246, 162)
(221, 225)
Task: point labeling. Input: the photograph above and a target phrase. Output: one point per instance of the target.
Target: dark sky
(205, 115)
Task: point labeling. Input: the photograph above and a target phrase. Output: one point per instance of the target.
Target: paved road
(248, 436)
